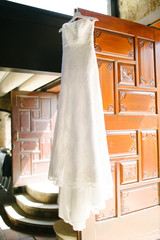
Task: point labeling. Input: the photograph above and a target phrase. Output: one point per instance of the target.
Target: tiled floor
(6, 233)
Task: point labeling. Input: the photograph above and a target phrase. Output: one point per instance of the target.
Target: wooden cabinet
(128, 56)
(33, 120)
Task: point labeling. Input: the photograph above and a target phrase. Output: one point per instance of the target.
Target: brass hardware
(17, 136)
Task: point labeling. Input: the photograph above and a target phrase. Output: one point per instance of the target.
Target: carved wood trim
(144, 135)
(152, 109)
(97, 47)
(130, 40)
(133, 136)
(109, 66)
(122, 95)
(110, 108)
(125, 195)
(155, 202)
(130, 171)
(152, 83)
(142, 80)
(133, 149)
(130, 54)
(123, 108)
(156, 199)
(154, 135)
(145, 174)
(100, 216)
(97, 33)
(152, 97)
(112, 212)
(150, 44)
(124, 74)
(155, 187)
(141, 43)
(124, 208)
(99, 62)
(155, 173)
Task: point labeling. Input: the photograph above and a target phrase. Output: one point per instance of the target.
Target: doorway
(33, 115)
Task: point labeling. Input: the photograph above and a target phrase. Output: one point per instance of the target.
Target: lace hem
(57, 181)
(79, 226)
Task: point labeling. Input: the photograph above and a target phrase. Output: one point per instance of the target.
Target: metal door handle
(17, 136)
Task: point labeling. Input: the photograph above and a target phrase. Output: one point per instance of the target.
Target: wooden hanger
(79, 15)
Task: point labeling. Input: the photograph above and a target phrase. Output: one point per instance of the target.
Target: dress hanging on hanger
(79, 15)
(79, 162)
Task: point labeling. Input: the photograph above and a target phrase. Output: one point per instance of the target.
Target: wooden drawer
(40, 167)
(29, 145)
(122, 143)
(27, 102)
(139, 198)
(106, 76)
(25, 164)
(126, 74)
(45, 106)
(25, 121)
(137, 102)
(114, 44)
(110, 210)
(149, 154)
(128, 171)
(146, 60)
(41, 125)
(46, 144)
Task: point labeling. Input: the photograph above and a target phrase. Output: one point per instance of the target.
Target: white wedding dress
(79, 161)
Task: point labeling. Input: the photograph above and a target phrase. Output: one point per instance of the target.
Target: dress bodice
(78, 32)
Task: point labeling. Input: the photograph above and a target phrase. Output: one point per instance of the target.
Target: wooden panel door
(33, 120)
(128, 58)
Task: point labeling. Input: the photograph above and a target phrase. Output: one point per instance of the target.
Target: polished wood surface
(129, 70)
(33, 120)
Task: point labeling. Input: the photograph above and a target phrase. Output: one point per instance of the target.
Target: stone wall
(5, 130)
(137, 9)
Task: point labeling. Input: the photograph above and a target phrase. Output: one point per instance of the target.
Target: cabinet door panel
(143, 197)
(122, 143)
(114, 44)
(146, 57)
(106, 76)
(25, 121)
(126, 74)
(137, 102)
(27, 102)
(128, 172)
(149, 154)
